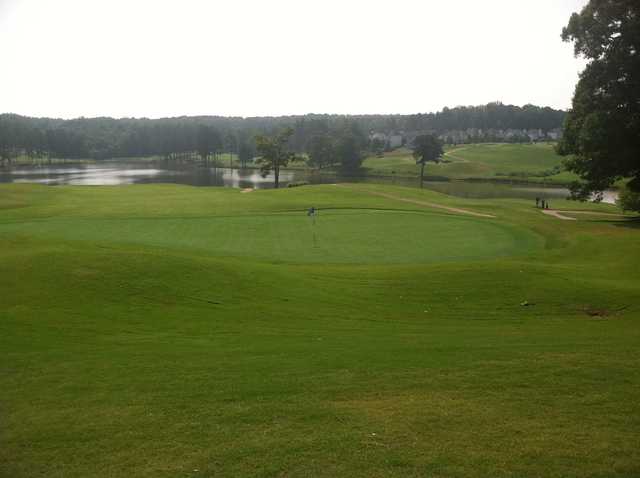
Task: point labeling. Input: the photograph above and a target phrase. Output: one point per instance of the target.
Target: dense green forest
(203, 136)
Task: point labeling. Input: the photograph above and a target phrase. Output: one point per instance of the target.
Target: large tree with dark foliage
(321, 151)
(246, 151)
(273, 153)
(349, 153)
(426, 148)
(602, 131)
(350, 145)
(205, 143)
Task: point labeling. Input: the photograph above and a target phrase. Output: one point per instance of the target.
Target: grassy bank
(163, 331)
(536, 163)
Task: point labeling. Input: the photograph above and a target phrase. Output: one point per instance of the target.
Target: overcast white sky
(155, 58)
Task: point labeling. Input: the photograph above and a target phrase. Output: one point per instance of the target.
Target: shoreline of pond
(114, 172)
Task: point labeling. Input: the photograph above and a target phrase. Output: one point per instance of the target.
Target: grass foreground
(172, 331)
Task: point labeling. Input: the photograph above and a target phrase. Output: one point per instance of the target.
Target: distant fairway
(172, 331)
(487, 161)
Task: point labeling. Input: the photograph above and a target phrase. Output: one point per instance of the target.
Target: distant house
(395, 141)
(391, 141)
(554, 135)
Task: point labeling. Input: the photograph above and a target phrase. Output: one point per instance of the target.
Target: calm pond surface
(112, 173)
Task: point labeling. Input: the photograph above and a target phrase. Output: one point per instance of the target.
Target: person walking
(537, 202)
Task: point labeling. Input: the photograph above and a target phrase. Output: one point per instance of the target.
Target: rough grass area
(167, 331)
(530, 162)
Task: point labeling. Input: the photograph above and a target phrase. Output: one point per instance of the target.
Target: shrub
(629, 200)
(296, 184)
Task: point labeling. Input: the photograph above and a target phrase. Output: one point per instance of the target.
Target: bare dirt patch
(557, 215)
(431, 204)
(601, 313)
(560, 214)
(596, 312)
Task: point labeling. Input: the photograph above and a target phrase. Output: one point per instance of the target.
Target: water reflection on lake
(113, 173)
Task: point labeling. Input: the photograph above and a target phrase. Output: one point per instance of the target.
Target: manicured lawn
(358, 236)
(164, 331)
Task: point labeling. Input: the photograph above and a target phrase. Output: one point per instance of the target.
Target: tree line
(103, 138)
(210, 136)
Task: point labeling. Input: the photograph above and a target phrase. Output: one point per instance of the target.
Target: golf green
(365, 236)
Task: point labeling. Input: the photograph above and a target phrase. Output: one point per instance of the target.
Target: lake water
(112, 173)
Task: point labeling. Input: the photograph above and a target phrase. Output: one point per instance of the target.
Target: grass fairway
(171, 331)
(480, 161)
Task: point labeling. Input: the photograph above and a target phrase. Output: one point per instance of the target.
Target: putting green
(338, 236)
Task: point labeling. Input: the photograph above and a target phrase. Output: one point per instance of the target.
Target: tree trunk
(422, 175)
(276, 173)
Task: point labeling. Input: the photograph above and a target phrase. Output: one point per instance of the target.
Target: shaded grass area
(129, 351)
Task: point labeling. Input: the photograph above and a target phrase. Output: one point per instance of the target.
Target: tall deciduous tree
(426, 148)
(321, 151)
(273, 153)
(349, 147)
(204, 143)
(349, 151)
(602, 130)
(245, 153)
